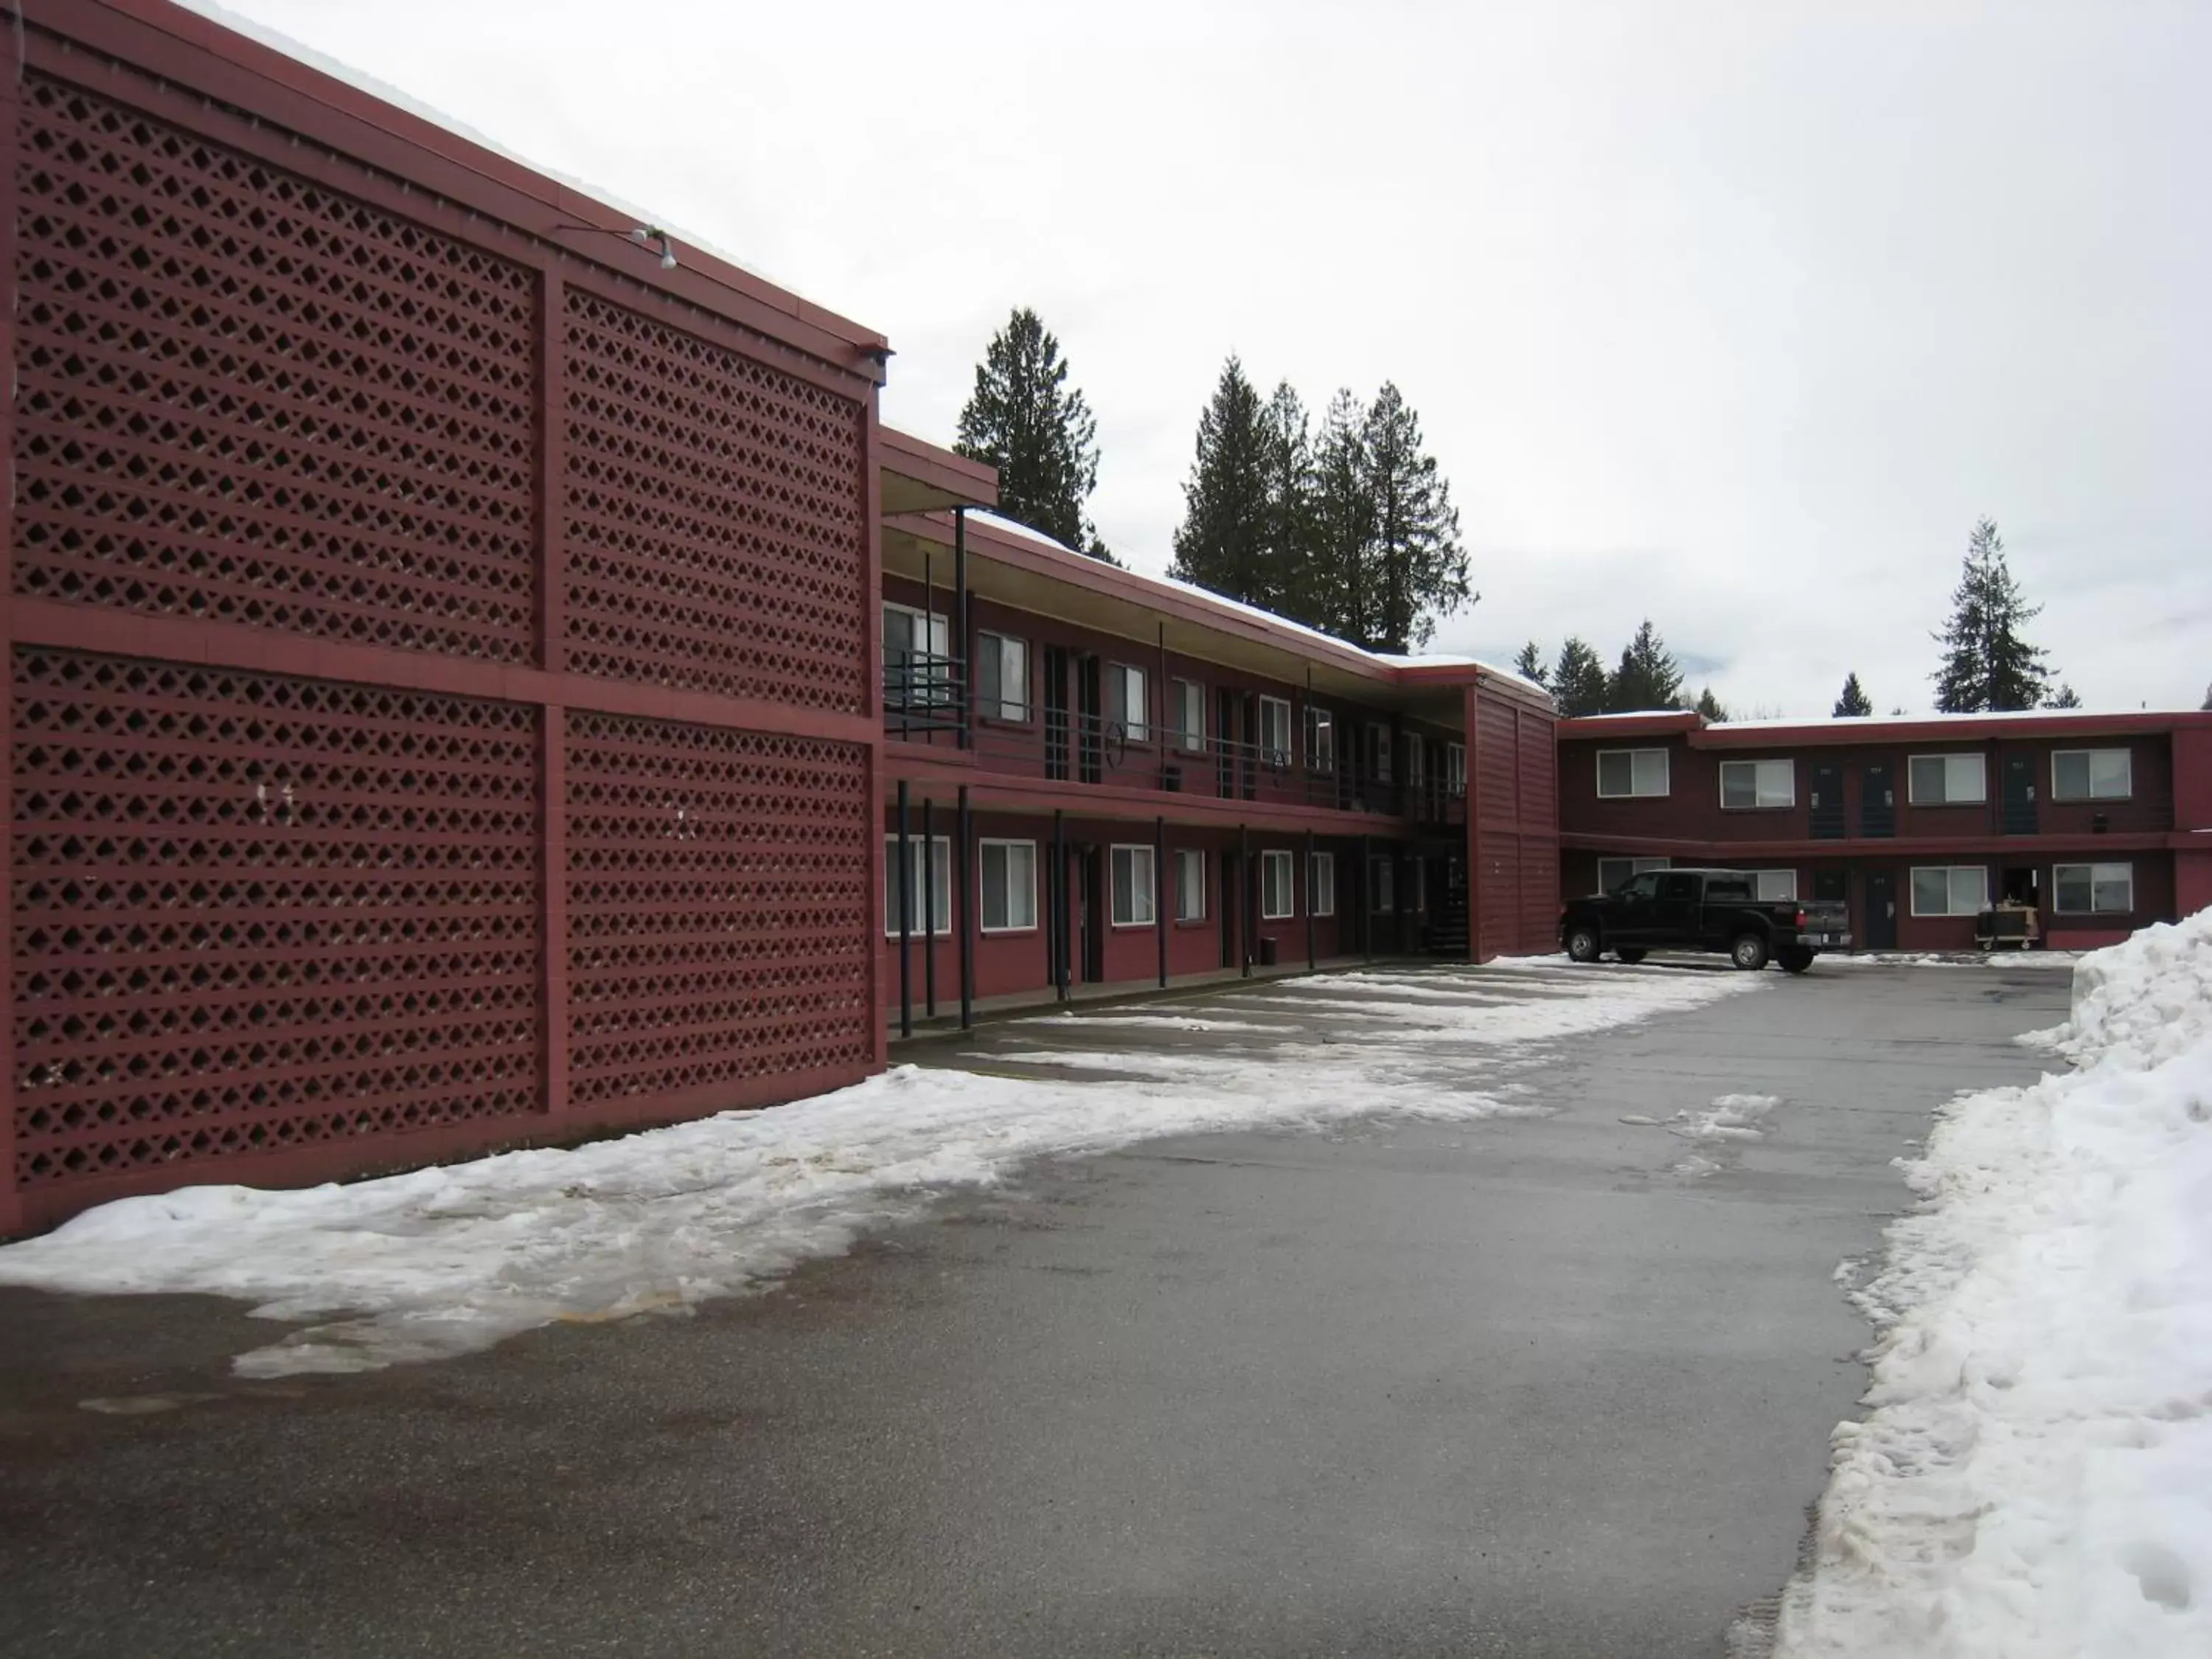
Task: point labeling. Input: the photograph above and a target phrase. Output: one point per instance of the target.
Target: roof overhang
(920, 478)
(1877, 729)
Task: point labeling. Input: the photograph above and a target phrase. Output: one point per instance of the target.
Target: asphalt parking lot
(1556, 1383)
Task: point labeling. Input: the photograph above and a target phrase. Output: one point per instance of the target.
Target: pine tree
(1578, 683)
(1289, 575)
(1710, 705)
(1648, 677)
(1342, 523)
(1987, 665)
(1025, 419)
(2207, 705)
(1419, 566)
(1853, 702)
(1529, 664)
(2064, 697)
(1220, 544)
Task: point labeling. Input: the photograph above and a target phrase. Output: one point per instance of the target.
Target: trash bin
(1269, 950)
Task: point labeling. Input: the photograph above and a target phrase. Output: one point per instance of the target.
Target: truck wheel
(1749, 952)
(1632, 956)
(1797, 960)
(1582, 942)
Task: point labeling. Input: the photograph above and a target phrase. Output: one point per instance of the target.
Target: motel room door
(1881, 930)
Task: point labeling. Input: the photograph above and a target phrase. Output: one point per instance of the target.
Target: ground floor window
(1190, 885)
(1416, 890)
(930, 890)
(1320, 895)
(1612, 873)
(1277, 902)
(1132, 887)
(1380, 877)
(1956, 889)
(1008, 870)
(1774, 886)
(2099, 890)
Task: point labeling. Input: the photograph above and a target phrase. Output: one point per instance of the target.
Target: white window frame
(1416, 760)
(997, 646)
(1951, 874)
(1666, 775)
(1774, 886)
(2098, 875)
(936, 632)
(1145, 899)
(1321, 885)
(1980, 798)
(1765, 798)
(1321, 739)
(1007, 889)
(1635, 868)
(1380, 736)
(1383, 880)
(1190, 883)
(1283, 867)
(1134, 713)
(1188, 698)
(1456, 769)
(2090, 757)
(1275, 744)
(939, 864)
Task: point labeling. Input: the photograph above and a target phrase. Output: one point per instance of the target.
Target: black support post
(906, 917)
(1313, 926)
(1060, 906)
(1161, 892)
(1366, 900)
(1244, 901)
(966, 646)
(928, 913)
(964, 875)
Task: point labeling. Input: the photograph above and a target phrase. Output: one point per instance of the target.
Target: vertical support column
(1471, 712)
(552, 717)
(1160, 891)
(964, 640)
(906, 917)
(11, 71)
(1060, 905)
(1160, 726)
(965, 876)
(1244, 902)
(870, 600)
(1313, 923)
(928, 909)
(1366, 900)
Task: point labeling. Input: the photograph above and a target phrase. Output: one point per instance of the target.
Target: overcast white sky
(1736, 316)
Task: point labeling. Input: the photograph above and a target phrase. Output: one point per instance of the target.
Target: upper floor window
(2105, 889)
(1947, 780)
(1456, 768)
(1378, 739)
(1125, 700)
(916, 651)
(1321, 739)
(1275, 731)
(1758, 783)
(1187, 708)
(2092, 775)
(1415, 759)
(1002, 677)
(1625, 773)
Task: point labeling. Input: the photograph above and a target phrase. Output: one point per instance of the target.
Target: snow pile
(1730, 1117)
(448, 1260)
(2034, 1475)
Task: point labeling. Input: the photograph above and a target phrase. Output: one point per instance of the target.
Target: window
(2097, 889)
(1612, 873)
(1133, 887)
(1947, 780)
(1321, 887)
(1739, 889)
(1275, 731)
(1775, 886)
(1002, 677)
(1125, 700)
(1277, 900)
(2092, 775)
(1958, 889)
(1009, 883)
(930, 898)
(1187, 709)
(1752, 783)
(1456, 769)
(1379, 873)
(1321, 739)
(1624, 773)
(1413, 758)
(1378, 739)
(916, 649)
(1416, 890)
(1645, 887)
(1190, 885)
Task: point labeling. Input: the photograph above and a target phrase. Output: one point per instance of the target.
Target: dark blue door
(2020, 795)
(1880, 930)
(1827, 803)
(1878, 798)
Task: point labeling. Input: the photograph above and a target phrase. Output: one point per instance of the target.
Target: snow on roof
(1013, 529)
(2054, 714)
(361, 80)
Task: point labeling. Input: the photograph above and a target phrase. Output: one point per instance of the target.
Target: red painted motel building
(480, 674)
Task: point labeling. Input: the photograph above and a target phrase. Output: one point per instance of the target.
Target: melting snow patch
(2034, 1476)
(1730, 1117)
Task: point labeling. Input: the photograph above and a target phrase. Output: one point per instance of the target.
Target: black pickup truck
(1703, 910)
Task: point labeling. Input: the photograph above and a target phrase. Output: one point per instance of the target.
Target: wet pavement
(1555, 1385)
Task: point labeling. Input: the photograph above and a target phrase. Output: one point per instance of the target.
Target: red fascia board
(1943, 731)
(911, 456)
(1081, 571)
(1724, 855)
(1003, 791)
(219, 62)
(1602, 727)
